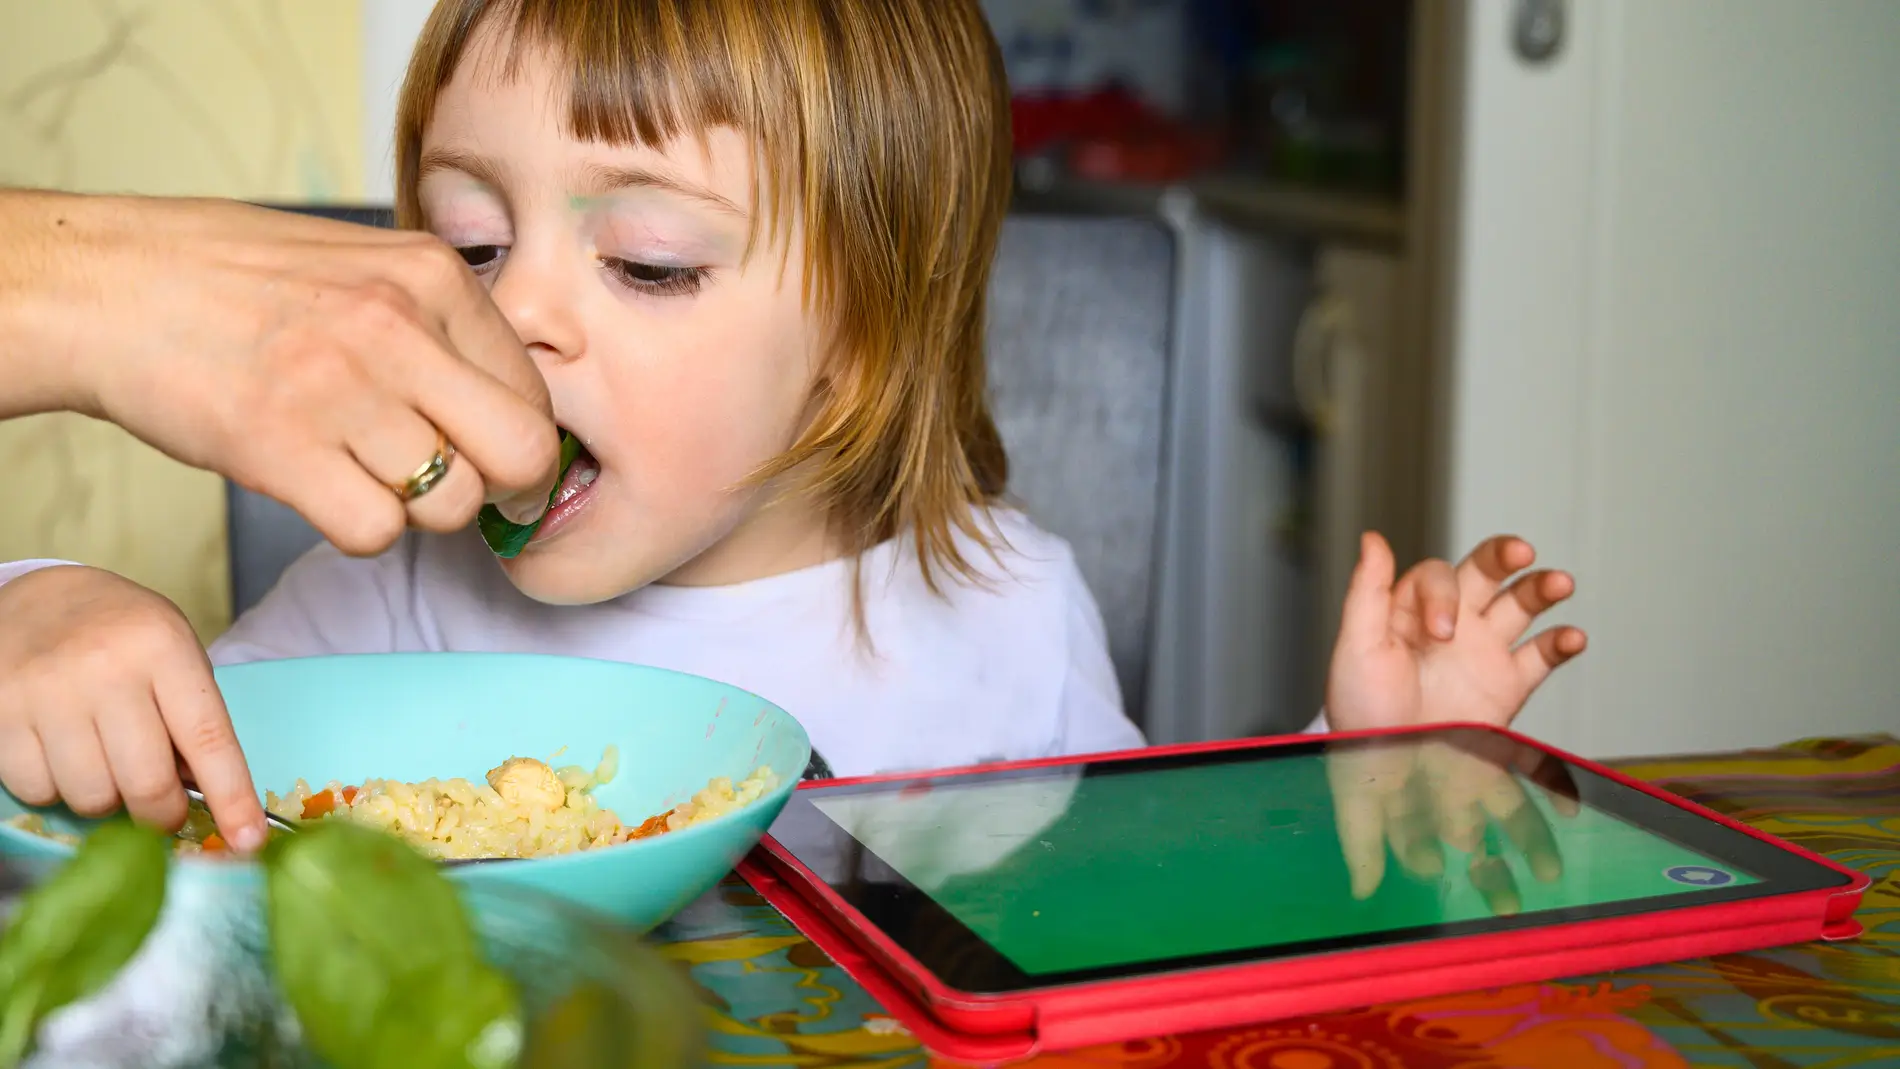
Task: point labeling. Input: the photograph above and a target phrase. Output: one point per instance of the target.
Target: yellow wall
(258, 99)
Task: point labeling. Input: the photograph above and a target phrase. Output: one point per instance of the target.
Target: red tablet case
(988, 1029)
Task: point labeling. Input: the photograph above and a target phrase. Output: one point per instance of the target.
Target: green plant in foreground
(371, 947)
(375, 952)
(75, 932)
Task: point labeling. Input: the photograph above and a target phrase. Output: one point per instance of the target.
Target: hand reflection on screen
(1421, 795)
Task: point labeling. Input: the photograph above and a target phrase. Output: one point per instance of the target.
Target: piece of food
(524, 808)
(75, 932)
(524, 781)
(34, 824)
(508, 539)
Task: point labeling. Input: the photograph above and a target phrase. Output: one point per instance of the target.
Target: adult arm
(315, 361)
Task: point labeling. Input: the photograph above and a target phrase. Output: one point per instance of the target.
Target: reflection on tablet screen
(1060, 871)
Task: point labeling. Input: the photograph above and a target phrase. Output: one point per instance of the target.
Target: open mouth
(576, 490)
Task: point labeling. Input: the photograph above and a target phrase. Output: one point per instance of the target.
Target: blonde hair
(882, 131)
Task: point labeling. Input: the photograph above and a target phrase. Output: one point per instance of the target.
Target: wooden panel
(256, 99)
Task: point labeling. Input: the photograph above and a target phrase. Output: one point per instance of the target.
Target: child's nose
(539, 303)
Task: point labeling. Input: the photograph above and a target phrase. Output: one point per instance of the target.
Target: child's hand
(103, 687)
(1420, 796)
(1442, 644)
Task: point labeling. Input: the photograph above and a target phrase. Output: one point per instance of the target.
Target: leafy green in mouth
(507, 539)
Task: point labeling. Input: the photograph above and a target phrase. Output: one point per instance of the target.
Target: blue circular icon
(1699, 876)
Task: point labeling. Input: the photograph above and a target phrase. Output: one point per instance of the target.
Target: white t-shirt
(1016, 668)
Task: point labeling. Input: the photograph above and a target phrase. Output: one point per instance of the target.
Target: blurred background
(1620, 276)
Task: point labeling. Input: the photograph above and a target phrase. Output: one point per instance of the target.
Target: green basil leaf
(654, 1022)
(508, 539)
(74, 933)
(375, 953)
(468, 1019)
(505, 539)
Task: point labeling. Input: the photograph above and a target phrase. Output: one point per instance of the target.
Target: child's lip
(579, 477)
(573, 495)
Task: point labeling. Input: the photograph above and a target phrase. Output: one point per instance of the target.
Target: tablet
(1003, 910)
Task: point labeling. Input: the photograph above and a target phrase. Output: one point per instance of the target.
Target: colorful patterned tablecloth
(782, 1002)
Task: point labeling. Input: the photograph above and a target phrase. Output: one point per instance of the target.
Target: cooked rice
(34, 824)
(525, 808)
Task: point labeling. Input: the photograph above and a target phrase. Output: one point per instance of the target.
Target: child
(747, 243)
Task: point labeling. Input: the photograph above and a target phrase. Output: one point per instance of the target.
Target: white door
(1674, 359)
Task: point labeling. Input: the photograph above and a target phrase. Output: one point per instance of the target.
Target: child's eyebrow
(602, 179)
(450, 160)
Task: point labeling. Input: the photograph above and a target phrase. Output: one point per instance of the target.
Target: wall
(390, 28)
(1675, 362)
(242, 98)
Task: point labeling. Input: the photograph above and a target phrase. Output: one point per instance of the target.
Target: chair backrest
(1080, 322)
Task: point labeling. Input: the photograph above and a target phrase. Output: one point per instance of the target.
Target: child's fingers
(1361, 822)
(139, 752)
(200, 728)
(1411, 825)
(1362, 776)
(1425, 606)
(1533, 594)
(1486, 568)
(1455, 775)
(1524, 824)
(1493, 880)
(78, 761)
(23, 768)
(1553, 776)
(1537, 658)
(1367, 612)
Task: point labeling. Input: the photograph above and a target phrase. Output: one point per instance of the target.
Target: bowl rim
(40, 845)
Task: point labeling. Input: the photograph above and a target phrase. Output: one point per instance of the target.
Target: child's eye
(654, 278)
(479, 256)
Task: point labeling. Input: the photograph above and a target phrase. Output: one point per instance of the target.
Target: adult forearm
(51, 304)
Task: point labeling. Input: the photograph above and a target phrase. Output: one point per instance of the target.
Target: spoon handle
(276, 822)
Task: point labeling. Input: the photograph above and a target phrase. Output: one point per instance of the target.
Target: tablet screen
(1003, 880)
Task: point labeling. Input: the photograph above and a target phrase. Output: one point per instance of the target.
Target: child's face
(680, 368)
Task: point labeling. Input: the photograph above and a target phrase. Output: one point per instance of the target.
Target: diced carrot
(318, 804)
(214, 844)
(323, 802)
(651, 827)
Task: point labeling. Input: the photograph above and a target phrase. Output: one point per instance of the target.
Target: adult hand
(314, 361)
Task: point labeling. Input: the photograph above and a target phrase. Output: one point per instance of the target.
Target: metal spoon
(276, 822)
(457, 862)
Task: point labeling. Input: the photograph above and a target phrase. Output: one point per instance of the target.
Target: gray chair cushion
(265, 537)
(1080, 322)
(1078, 350)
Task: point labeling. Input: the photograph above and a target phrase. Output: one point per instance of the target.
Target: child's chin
(554, 578)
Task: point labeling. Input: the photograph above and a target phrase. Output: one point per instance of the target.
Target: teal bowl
(410, 717)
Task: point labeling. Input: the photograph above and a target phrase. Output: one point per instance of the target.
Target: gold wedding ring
(429, 474)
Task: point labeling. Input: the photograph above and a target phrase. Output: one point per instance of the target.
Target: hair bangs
(644, 75)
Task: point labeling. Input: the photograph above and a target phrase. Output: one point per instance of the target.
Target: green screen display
(1071, 872)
